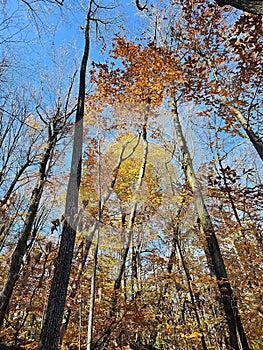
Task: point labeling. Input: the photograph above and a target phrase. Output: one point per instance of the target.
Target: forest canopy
(131, 192)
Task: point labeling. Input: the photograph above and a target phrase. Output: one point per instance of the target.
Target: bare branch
(139, 6)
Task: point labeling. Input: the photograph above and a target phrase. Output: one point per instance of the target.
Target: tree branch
(139, 6)
(251, 6)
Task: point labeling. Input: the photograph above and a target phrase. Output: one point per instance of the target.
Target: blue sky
(56, 26)
(42, 46)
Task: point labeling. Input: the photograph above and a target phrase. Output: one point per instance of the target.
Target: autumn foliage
(154, 287)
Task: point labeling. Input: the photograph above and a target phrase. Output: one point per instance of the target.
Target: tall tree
(51, 329)
(215, 260)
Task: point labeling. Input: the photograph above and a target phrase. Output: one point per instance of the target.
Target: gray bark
(256, 141)
(251, 6)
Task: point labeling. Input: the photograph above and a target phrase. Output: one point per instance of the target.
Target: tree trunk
(105, 337)
(214, 257)
(189, 284)
(255, 140)
(51, 329)
(176, 247)
(92, 296)
(251, 6)
(133, 212)
(21, 247)
(103, 203)
(95, 261)
(95, 227)
(135, 270)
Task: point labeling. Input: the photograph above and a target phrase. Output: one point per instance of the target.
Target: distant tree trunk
(194, 302)
(95, 261)
(95, 227)
(176, 247)
(103, 204)
(22, 244)
(105, 337)
(251, 6)
(135, 269)
(51, 328)
(214, 257)
(117, 283)
(256, 141)
(92, 296)
(254, 138)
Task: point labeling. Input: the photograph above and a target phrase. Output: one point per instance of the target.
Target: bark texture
(251, 6)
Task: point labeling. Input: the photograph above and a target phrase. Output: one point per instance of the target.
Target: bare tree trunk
(251, 6)
(256, 141)
(189, 281)
(21, 247)
(95, 262)
(133, 212)
(103, 203)
(105, 337)
(51, 329)
(118, 280)
(135, 269)
(214, 257)
(176, 247)
(92, 295)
